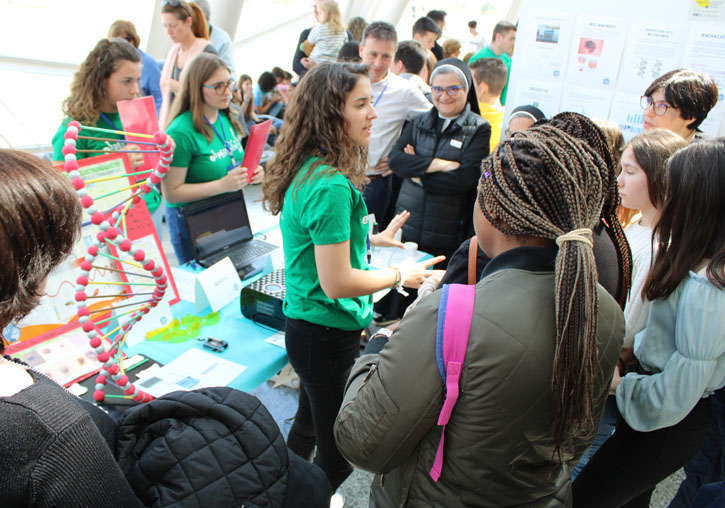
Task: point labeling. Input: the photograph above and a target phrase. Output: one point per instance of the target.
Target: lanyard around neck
(381, 94)
(223, 138)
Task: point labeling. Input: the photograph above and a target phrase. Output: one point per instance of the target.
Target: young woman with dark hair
(543, 344)
(314, 184)
(208, 155)
(57, 449)
(679, 101)
(665, 401)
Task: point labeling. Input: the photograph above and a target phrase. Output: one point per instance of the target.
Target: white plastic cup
(411, 248)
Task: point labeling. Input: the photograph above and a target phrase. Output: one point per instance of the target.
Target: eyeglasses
(221, 88)
(452, 91)
(660, 108)
(177, 3)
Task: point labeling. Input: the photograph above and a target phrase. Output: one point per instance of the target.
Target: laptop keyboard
(250, 252)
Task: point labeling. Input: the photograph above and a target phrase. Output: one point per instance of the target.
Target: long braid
(585, 129)
(544, 183)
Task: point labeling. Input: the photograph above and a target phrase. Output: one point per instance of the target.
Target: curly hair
(87, 90)
(544, 183)
(191, 97)
(581, 127)
(40, 218)
(315, 125)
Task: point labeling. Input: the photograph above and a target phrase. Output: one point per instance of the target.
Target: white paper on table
(589, 102)
(277, 340)
(652, 50)
(217, 285)
(185, 282)
(544, 95)
(192, 370)
(627, 113)
(595, 51)
(157, 317)
(542, 41)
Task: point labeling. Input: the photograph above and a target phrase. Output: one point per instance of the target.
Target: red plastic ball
(140, 255)
(78, 183)
(101, 379)
(97, 218)
(99, 395)
(86, 266)
(103, 357)
(113, 369)
(101, 236)
(154, 179)
(82, 280)
(87, 327)
(161, 281)
(81, 296)
(70, 135)
(111, 233)
(140, 397)
(122, 381)
(83, 311)
(95, 342)
(125, 245)
(68, 149)
(150, 265)
(70, 165)
(86, 201)
(163, 169)
(160, 138)
(145, 188)
(75, 123)
(93, 250)
(158, 272)
(131, 389)
(113, 351)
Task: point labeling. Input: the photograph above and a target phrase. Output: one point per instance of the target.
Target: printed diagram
(654, 71)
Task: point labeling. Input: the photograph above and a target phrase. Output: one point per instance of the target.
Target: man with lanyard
(395, 101)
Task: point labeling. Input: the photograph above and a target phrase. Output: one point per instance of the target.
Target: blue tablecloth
(246, 342)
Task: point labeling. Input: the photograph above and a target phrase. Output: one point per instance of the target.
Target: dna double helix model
(108, 345)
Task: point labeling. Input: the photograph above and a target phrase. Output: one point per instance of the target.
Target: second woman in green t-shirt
(208, 155)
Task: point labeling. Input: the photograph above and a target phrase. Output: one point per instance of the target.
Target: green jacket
(498, 446)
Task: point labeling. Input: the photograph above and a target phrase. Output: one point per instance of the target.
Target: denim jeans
(179, 234)
(322, 357)
(604, 432)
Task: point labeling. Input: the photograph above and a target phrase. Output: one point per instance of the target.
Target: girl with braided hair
(543, 344)
(665, 403)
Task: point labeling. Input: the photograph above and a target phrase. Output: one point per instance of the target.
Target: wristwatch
(382, 332)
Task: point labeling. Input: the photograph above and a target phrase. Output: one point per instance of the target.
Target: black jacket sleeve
(299, 54)
(405, 165)
(465, 178)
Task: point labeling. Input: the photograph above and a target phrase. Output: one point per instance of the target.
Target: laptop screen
(217, 223)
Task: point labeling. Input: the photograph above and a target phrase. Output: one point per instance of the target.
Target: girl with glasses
(187, 27)
(208, 155)
(438, 156)
(679, 101)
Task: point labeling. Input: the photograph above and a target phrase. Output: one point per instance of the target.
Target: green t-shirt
(152, 199)
(487, 52)
(206, 161)
(323, 209)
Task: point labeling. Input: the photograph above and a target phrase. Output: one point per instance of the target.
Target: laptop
(219, 227)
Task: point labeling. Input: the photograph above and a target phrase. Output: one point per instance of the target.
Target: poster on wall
(586, 101)
(595, 51)
(542, 94)
(653, 49)
(712, 11)
(627, 113)
(544, 39)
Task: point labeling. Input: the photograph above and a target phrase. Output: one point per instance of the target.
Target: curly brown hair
(87, 90)
(190, 96)
(315, 125)
(544, 183)
(40, 219)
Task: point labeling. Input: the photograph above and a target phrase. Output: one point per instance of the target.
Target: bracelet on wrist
(398, 278)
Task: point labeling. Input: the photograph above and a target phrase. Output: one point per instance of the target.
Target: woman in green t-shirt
(208, 155)
(109, 74)
(314, 184)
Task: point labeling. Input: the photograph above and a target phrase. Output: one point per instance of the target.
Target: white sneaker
(337, 501)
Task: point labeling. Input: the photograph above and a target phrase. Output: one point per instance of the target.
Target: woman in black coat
(439, 156)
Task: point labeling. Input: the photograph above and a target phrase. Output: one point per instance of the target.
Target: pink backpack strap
(454, 326)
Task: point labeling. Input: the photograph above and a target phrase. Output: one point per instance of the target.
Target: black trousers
(322, 357)
(628, 466)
